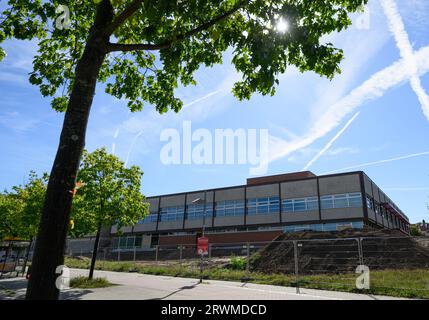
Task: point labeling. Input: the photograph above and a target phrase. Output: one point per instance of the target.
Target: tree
(414, 231)
(21, 208)
(142, 49)
(109, 193)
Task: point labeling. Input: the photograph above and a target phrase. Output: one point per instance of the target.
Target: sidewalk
(135, 286)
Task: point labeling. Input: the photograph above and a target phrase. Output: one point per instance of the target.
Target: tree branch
(123, 16)
(112, 47)
(178, 38)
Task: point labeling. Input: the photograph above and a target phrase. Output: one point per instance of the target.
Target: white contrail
(380, 161)
(396, 26)
(132, 146)
(330, 143)
(372, 88)
(201, 99)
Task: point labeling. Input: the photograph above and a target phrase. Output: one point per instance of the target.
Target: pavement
(135, 286)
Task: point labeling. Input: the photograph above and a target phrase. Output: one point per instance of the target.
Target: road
(135, 286)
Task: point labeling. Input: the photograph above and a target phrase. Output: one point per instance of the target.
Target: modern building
(264, 208)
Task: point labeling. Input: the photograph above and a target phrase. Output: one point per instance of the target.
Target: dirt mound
(342, 251)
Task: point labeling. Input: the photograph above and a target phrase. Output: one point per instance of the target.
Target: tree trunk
(51, 237)
(94, 253)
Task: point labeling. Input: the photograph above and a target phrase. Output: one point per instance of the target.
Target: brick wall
(233, 237)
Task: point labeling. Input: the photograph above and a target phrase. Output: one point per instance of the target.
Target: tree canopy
(20, 208)
(108, 193)
(185, 34)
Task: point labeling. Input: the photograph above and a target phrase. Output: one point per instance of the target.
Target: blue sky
(373, 111)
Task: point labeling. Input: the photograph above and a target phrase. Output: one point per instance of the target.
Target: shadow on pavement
(74, 294)
(15, 290)
(177, 291)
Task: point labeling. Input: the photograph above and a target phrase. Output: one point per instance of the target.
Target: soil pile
(338, 252)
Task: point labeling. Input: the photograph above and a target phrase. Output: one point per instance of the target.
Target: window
(150, 218)
(128, 242)
(355, 200)
(347, 200)
(263, 205)
(327, 202)
(324, 226)
(377, 209)
(122, 242)
(172, 213)
(139, 241)
(369, 203)
(196, 211)
(229, 208)
(299, 205)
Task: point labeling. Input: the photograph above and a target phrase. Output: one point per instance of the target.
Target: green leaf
(260, 53)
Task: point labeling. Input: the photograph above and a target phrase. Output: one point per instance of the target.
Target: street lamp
(202, 201)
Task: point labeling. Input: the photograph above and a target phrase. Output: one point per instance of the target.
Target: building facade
(263, 209)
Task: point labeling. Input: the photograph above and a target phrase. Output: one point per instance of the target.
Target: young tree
(109, 194)
(114, 41)
(21, 208)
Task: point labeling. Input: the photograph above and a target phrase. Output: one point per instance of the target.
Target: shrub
(85, 283)
(238, 263)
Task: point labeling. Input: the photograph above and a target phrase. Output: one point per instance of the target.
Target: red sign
(203, 245)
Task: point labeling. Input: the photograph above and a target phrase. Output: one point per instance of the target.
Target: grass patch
(7, 293)
(396, 283)
(85, 283)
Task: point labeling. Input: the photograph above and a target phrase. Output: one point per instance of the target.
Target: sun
(282, 25)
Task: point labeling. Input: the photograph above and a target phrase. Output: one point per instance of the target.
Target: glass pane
(287, 206)
(312, 204)
(274, 208)
(299, 205)
(327, 203)
(138, 242)
(229, 212)
(251, 211)
(340, 202)
(130, 242)
(355, 202)
(122, 242)
(239, 211)
(251, 201)
(263, 209)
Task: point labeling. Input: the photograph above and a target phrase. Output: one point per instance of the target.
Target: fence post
(181, 254)
(26, 257)
(248, 257)
(361, 259)
(295, 254)
(134, 254)
(156, 253)
(119, 254)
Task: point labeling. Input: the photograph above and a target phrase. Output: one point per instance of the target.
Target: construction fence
(325, 263)
(14, 258)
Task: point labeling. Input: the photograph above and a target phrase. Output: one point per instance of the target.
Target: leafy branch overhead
(158, 44)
